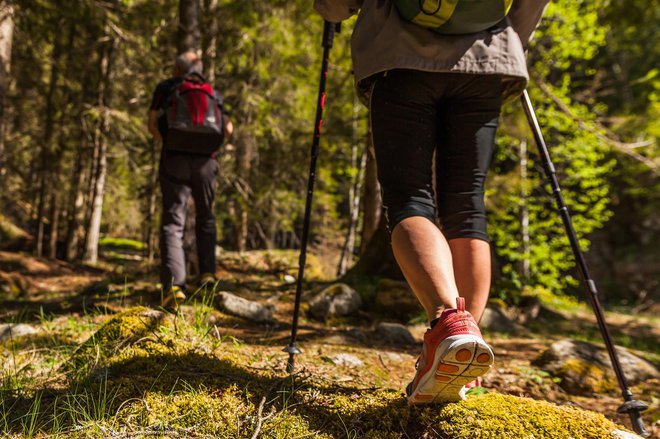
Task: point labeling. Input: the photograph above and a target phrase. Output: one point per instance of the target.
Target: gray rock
(335, 301)
(13, 330)
(238, 306)
(494, 319)
(620, 434)
(585, 368)
(396, 299)
(351, 337)
(394, 333)
(344, 360)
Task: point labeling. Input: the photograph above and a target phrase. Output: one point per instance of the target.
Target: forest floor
(178, 368)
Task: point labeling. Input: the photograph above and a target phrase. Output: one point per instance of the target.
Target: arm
(227, 126)
(152, 125)
(337, 10)
(525, 16)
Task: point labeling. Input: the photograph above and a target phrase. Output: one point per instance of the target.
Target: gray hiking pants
(180, 176)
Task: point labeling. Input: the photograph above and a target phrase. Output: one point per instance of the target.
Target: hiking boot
(173, 298)
(207, 280)
(454, 354)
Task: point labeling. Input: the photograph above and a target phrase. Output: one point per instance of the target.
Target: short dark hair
(189, 62)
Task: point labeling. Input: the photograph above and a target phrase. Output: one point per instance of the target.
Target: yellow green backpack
(454, 16)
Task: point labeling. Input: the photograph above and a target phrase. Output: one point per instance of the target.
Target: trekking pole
(328, 37)
(632, 407)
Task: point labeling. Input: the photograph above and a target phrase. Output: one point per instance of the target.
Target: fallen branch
(260, 418)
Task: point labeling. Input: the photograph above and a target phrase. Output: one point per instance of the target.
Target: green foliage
(578, 146)
(594, 57)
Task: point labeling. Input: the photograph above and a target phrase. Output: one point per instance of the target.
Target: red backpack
(194, 117)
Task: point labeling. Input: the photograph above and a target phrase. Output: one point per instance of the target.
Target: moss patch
(501, 416)
(581, 377)
(122, 330)
(150, 376)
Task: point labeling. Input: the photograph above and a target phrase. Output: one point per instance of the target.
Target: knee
(399, 206)
(463, 215)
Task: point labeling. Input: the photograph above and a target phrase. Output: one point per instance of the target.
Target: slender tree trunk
(104, 101)
(189, 38)
(54, 225)
(90, 182)
(372, 201)
(353, 194)
(210, 39)
(46, 155)
(188, 35)
(151, 235)
(6, 38)
(74, 206)
(524, 211)
(245, 145)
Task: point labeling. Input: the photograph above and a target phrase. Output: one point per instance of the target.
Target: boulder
(495, 319)
(394, 333)
(337, 300)
(14, 330)
(344, 360)
(247, 309)
(396, 299)
(585, 368)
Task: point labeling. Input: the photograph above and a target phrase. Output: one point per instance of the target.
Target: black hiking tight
(421, 120)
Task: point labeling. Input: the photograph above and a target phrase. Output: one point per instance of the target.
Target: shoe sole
(458, 360)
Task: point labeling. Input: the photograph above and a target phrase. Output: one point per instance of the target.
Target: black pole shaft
(328, 37)
(632, 407)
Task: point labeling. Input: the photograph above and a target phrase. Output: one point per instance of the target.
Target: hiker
(188, 166)
(435, 91)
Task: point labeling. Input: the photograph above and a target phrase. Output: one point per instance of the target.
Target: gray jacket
(382, 40)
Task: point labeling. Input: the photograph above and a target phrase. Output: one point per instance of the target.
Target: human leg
(472, 269)
(468, 121)
(175, 195)
(204, 182)
(425, 259)
(404, 126)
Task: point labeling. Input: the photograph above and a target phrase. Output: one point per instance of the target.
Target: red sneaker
(475, 383)
(454, 354)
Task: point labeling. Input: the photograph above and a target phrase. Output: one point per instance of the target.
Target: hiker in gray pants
(182, 175)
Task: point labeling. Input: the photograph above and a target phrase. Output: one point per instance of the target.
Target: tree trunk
(188, 38)
(47, 149)
(104, 100)
(150, 233)
(6, 37)
(210, 39)
(524, 211)
(378, 259)
(188, 35)
(54, 225)
(75, 212)
(372, 201)
(353, 195)
(245, 145)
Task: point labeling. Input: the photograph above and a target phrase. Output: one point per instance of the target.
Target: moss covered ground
(116, 366)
